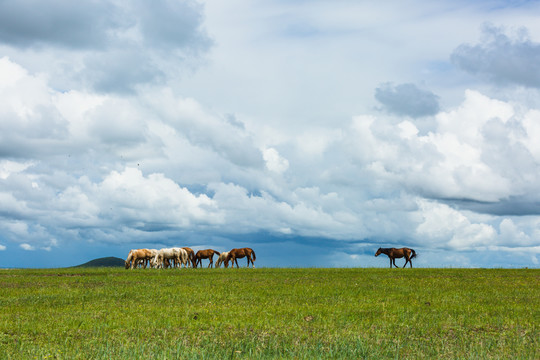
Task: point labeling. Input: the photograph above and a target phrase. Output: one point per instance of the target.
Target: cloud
(407, 100)
(28, 23)
(274, 162)
(445, 226)
(501, 59)
(159, 168)
(27, 247)
(2, 247)
(106, 46)
(479, 151)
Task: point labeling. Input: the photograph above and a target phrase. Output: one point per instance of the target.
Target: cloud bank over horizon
(102, 151)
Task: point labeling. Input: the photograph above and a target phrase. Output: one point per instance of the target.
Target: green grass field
(270, 313)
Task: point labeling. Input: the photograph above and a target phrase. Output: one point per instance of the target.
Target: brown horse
(240, 253)
(205, 254)
(394, 254)
(191, 255)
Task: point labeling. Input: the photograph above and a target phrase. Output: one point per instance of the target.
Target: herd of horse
(177, 257)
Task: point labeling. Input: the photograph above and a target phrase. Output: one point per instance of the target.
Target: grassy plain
(355, 313)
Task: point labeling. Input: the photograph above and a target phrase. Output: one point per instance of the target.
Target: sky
(313, 132)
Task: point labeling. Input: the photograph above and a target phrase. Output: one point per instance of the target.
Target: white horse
(154, 253)
(176, 255)
(222, 259)
(182, 257)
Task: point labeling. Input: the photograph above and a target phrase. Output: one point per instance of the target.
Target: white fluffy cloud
(461, 159)
(151, 153)
(27, 247)
(274, 162)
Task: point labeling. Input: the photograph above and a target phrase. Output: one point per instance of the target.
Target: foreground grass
(269, 313)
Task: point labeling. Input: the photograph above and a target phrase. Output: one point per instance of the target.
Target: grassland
(270, 313)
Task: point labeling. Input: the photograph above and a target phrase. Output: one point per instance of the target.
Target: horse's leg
(390, 262)
(236, 261)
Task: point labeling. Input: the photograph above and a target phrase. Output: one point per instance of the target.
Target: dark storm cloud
(407, 99)
(513, 206)
(120, 71)
(76, 24)
(107, 46)
(173, 24)
(501, 59)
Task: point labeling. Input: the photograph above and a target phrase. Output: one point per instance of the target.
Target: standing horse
(240, 253)
(394, 254)
(222, 259)
(205, 254)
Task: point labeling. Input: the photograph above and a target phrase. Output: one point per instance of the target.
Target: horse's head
(127, 264)
(379, 252)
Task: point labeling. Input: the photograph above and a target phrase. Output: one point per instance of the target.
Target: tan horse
(240, 253)
(222, 259)
(136, 256)
(205, 254)
(394, 254)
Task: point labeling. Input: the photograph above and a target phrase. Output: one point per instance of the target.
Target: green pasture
(103, 313)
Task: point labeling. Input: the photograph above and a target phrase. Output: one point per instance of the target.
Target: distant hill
(110, 261)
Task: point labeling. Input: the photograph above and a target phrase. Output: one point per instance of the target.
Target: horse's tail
(413, 254)
(253, 252)
(217, 252)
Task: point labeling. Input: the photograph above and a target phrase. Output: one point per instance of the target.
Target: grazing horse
(181, 257)
(222, 259)
(137, 256)
(205, 254)
(394, 254)
(191, 255)
(153, 253)
(240, 253)
(177, 255)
